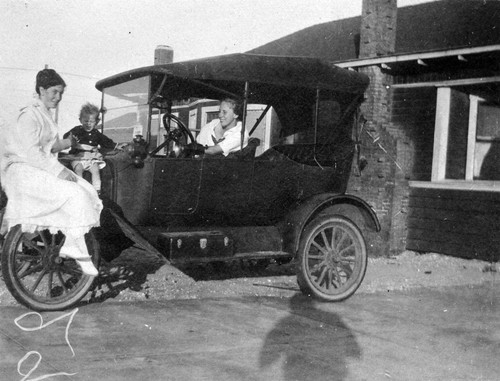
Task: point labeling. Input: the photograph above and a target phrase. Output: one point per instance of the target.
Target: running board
(262, 254)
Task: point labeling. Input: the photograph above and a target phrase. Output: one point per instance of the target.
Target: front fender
(116, 234)
(352, 207)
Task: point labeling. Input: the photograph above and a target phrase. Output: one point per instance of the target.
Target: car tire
(37, 277)
(332, 258)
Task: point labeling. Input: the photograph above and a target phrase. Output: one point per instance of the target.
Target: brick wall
(413, 115)
(376, 183)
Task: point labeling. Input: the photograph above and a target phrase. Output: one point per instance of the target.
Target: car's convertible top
(280, 71)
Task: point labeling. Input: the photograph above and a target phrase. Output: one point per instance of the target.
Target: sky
(87, 40)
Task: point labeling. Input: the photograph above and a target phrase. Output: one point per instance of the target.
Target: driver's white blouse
(230, 142)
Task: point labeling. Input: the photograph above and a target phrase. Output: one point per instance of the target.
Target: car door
(176, 186)
(226, 185)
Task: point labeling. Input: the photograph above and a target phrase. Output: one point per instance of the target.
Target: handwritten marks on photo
(41, 325)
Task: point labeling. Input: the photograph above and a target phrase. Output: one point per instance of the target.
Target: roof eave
(419, 57)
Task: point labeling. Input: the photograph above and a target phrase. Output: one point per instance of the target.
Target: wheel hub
(332, 258)
(52, 260)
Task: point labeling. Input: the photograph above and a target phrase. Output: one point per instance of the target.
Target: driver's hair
(236, 105)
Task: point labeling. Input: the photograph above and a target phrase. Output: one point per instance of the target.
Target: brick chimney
(163, 55)
(376, 183)
(377, 38)
(378, 28)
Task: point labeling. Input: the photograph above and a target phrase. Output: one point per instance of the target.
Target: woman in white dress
(42, 193)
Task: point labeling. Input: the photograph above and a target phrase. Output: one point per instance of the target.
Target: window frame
(440, 148)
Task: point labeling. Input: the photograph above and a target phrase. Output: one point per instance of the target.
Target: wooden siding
(459, 223)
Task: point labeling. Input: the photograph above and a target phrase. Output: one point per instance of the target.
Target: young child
(90, 141)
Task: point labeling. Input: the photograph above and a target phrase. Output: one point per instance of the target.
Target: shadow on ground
(237, 269)
(294, 343)
(130, 270)
(134, 269)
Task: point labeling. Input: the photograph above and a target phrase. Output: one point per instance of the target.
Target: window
(193, 121)
(467, 137)
(212, 115)
(487, 142)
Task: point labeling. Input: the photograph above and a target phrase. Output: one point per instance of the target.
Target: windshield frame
(121, 102)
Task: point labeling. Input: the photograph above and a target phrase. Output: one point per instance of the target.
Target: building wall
(413, 114)
(397, 142)
(455, 222)
(412, 124)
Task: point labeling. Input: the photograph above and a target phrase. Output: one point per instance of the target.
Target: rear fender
(352, 207)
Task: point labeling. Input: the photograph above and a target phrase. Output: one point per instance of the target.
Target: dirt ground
(142, 277)
(137, 275)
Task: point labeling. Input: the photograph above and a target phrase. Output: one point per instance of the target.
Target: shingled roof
(434, 26)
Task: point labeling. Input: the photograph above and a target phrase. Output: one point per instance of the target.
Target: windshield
(289, 118)
(126, 110)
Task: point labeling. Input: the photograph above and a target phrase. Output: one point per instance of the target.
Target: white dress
(37, 198)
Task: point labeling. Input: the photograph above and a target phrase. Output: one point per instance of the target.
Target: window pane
(212, 115)
(456, 156)
(487, 150)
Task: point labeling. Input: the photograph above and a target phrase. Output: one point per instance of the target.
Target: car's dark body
(204, 208)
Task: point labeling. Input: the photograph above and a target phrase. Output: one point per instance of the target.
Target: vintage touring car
(282, 197)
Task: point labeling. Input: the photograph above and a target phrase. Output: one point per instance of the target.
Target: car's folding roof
(279, 71)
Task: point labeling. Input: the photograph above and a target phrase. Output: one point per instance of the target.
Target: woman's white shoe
(85, 262)
(87, 266)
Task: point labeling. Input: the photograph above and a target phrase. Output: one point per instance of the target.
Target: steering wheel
(173, 144)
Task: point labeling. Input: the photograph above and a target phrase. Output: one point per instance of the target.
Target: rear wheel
(332, 258)
(37, 277)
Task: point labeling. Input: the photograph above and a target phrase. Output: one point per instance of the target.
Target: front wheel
(35, 274)
(332, 258)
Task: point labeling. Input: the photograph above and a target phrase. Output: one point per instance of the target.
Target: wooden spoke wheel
(332, 258)
(37, 276)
